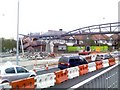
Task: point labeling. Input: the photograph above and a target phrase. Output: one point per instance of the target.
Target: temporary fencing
(61, 76)
(99, 65)
(91, 66)
(73, 72)
(45, 80)
(83, 69)
(23, 83)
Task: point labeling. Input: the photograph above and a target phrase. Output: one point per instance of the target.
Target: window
(21, 70)
(10, 70)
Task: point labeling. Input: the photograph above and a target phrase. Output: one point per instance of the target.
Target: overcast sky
(43, 15)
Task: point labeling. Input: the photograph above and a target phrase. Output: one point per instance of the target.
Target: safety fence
(57, 77)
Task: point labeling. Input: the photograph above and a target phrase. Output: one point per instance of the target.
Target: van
(71, 61)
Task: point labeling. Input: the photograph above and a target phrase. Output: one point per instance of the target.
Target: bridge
(107, 28)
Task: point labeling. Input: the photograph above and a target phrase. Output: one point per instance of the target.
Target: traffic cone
(46, 66)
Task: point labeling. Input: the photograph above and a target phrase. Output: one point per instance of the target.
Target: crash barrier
(73, 72)
(91, 66)
(99, 65)
(111, 61)
(105, 63)
(83, 69)
(23, 83)
(4, 86)
(45, 80)
(61, 76)
(50, 79)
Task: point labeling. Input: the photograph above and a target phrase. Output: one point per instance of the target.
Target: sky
(39, 16)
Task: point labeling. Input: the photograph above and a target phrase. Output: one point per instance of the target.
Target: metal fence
(108, 78)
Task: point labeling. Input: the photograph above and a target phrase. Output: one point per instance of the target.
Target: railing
(108, 78)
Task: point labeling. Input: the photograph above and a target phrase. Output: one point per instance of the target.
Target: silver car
(10, 73)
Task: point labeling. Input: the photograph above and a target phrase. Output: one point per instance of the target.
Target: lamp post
(17, 53)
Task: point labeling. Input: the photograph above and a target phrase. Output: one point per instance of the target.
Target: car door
(10, 74)
(22, 72)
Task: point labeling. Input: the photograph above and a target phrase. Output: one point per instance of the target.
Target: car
(103, 56)
(84, 52)
(10, 72)
(71, 61)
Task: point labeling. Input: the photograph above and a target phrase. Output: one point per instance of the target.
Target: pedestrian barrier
(111, 61)
(83, 69)
(105, 63)
(23, 83)
(73, 72)
(45, 80)
(99, 65)
(61, 76)
(91, 66)
(5, 86)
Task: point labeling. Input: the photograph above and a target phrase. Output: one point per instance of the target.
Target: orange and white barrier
(117, 60)
(5, 86)
(45, 80)
(23, 83)
(91, 66)
(73, 72)
(99, 65)
(61, 76)
(83, 69)
(111, 61)
(105, 63)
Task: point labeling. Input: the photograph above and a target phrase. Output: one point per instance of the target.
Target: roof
(53, 32)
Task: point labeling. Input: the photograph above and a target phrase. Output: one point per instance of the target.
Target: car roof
(7, 65)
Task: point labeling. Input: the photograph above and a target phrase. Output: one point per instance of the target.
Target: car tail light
(68, 64)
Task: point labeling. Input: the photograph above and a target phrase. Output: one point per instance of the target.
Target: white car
(10, 73)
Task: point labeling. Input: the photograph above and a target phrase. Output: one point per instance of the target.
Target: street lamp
(17, 53)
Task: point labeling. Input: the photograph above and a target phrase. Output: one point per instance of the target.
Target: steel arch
(108, 28)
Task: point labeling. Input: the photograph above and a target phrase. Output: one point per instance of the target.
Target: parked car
(71, 61)
(11, 72)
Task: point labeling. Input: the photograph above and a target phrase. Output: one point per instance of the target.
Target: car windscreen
(63, 60)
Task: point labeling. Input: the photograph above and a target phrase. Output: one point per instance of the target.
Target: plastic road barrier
(91, 66)
(5, 86)
(105, 63)
(99, 65)
(117, 60)
(61, 76)
(83, 69)
(23, 83)
(45, 80)
(111, 61)
(73, 72)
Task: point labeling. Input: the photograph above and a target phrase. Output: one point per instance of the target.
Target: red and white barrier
(45, 80)
(105, 63)
(91, 67)
(73, 72)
